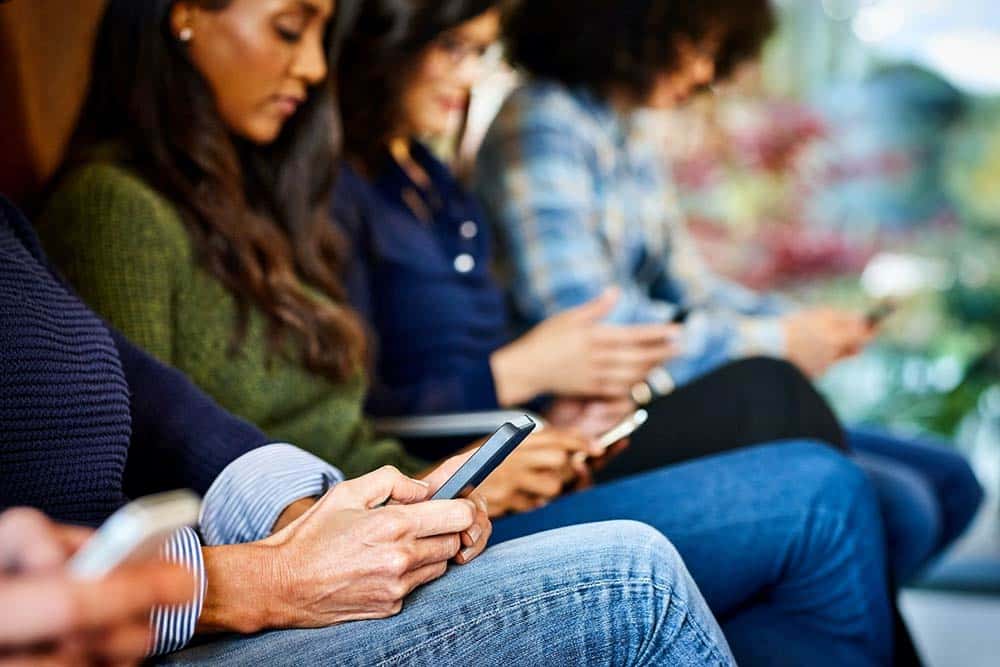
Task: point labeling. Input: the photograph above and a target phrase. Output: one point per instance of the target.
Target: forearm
(239, 597)
(241, 579)
(516, 383)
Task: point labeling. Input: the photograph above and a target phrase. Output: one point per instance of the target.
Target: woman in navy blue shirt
(422, 278)
(445, 342)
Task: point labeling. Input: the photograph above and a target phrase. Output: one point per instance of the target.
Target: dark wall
(44, 61)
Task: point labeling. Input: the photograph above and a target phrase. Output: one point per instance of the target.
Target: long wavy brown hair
(258, 215)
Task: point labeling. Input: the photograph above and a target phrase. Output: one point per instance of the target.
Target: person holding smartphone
(285, 542)
(422, 277)
(50, 618)
(193, 215)
(288, 549)
(581, 198)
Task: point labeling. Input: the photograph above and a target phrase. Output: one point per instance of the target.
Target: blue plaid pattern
(582, 200)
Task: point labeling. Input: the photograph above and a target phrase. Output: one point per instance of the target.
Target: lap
(520, 602)
(735, 518)
(744, 403)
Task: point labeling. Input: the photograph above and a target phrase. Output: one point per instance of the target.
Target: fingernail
(467, 553)
(475, 533)
(483, 505)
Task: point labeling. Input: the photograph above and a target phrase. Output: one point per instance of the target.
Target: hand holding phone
(486, 459)
(135, 531)
(623, 429)
(619, 432)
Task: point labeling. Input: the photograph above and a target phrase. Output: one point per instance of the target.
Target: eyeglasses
(459, 51)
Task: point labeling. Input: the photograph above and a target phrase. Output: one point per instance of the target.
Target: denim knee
(827, 475)
(843, 542)
(631, 549)
(664, 608)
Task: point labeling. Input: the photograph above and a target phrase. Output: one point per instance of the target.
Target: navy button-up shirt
(421, 277)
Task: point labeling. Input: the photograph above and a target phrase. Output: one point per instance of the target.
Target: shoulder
(544, 103)
(104, 200)
(542, 119)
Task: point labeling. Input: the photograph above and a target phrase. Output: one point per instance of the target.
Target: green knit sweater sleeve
(371, 451)
(120, 244)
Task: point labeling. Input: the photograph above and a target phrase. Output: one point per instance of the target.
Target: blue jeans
(927, 491)
(614, 593)
(785, 542)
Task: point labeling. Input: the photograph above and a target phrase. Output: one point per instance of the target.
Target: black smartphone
(486, 459)
(681, 315)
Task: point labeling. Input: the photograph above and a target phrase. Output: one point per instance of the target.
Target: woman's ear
(183, 17)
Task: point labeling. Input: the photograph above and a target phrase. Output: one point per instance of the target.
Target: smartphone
(879, 312)
(135, 531)
(624, 429)
(486, 459)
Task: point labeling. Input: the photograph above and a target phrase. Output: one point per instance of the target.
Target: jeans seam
(443, 635)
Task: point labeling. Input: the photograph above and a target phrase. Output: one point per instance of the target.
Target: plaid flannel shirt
(582, 200)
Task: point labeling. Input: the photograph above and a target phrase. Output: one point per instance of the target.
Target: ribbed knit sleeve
(121, 247)
(64, 400)
(181, 438)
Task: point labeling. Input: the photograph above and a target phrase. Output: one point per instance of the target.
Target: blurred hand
(816, 339)
(589, 417)
(62, 621)
(347, 559)
(536, 472)
(575, 354)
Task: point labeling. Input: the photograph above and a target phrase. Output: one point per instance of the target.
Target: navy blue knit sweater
(87, 420)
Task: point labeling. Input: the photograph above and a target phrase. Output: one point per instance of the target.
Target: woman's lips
(452, 105)
(287, 105)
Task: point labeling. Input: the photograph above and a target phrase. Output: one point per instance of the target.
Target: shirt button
(469, 229)
(464, 263)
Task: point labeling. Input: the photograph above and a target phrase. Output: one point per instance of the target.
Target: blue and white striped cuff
(246, 499)
(173, 627)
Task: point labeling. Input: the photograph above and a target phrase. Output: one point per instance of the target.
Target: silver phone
(134, 532)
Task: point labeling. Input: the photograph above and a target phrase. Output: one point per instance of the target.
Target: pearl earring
(185, 34)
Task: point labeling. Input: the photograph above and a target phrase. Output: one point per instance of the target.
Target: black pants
(744, 403)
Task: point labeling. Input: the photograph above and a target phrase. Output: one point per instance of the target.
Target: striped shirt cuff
(173, 627)
(246, 499)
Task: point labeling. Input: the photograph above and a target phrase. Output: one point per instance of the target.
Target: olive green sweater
(124, 247)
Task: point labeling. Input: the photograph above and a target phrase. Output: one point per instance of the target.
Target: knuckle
(398, 562)
(393, 525)
(21, 517)
(468, 511)
(390, 471)
(398, 590)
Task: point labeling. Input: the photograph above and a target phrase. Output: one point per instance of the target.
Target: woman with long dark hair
(423, 278)
(196, 196)
(804, 549)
